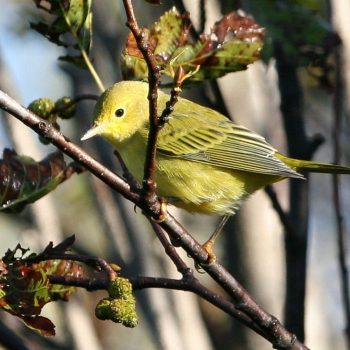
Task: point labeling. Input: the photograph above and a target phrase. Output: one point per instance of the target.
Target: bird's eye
(119, 112)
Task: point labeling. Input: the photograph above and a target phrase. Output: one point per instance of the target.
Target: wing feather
(219, 142)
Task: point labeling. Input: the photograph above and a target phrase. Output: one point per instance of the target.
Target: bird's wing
(221, 143)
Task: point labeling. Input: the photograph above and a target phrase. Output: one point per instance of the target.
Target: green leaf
(57, 267)
(69, 16)
(77, 61)
(168, 33)
(77, 14)
(86, 31)
(234, 42)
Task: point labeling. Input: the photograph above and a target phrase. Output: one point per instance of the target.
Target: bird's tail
(314, 167)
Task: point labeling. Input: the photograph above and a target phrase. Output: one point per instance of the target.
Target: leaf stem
(83, 52)
(91, 69)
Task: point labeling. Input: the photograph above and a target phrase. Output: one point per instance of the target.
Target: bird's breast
(194, 186)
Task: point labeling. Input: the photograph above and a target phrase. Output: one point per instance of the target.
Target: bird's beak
(95, 130)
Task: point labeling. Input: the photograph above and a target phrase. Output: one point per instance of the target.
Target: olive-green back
(200, 134)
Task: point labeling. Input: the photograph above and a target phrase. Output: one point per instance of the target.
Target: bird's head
(120, 112)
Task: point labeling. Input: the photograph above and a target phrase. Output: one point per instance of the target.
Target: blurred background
(253, 246)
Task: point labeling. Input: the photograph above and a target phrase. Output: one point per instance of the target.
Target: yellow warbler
(205, 162)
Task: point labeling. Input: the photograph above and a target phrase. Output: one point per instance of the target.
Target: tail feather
(314, 167)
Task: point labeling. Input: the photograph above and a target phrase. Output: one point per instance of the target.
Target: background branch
(299, 147)
(338, 108)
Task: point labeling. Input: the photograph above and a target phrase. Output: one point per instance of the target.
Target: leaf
(77, 61)
(69, 16)
(57, 267)
(41, 324)
(24, 291)
(25, 287)
(170, 32)
(86, 30)
(24, 181)
(234, 42)
(60, 248)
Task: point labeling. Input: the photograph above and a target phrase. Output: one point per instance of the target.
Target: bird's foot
(208, 247)
(163, 213)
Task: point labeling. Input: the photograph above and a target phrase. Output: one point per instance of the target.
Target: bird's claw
(163, 214)
(208, 247)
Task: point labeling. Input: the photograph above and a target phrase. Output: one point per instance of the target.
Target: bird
(205, 162)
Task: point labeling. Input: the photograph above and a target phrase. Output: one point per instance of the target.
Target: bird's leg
(209, 244)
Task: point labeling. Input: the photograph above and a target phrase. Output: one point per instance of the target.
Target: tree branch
(300, 147)
(150, 166)
(171, 251)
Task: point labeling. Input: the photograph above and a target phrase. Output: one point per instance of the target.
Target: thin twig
(150, 166)
(242, 299)
(95, 262)
(283, 216)
(171, 251)
(88, 283)
(192, 284)
(179, 77)
(142, 282)
(220, 104)
(134, 184)
(74, 101)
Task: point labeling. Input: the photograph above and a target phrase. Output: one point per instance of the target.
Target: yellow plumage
(205, 162)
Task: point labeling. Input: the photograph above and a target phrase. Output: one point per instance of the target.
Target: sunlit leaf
(234, 42)
(25, 287)
(67, 17)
